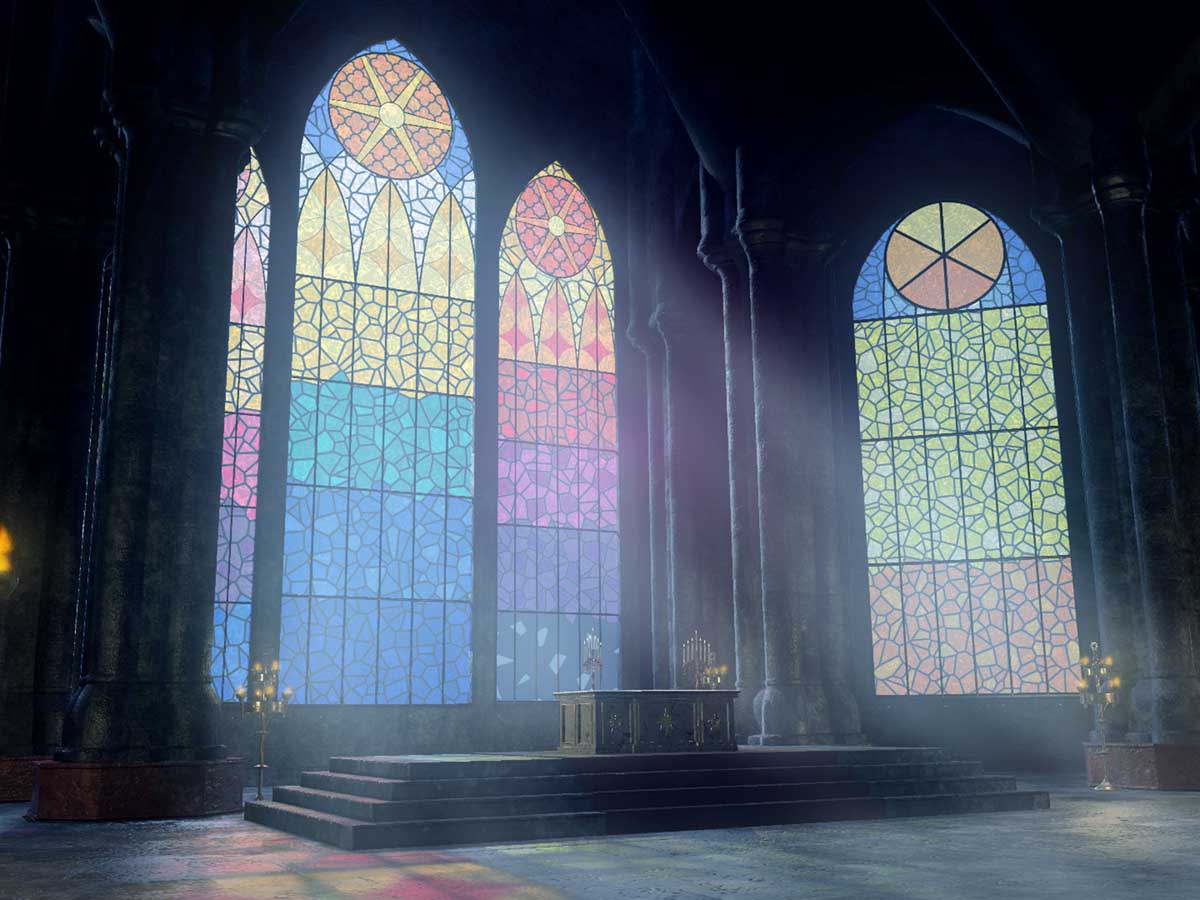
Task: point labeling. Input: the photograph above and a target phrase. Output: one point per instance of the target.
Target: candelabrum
(700, 663)
(593, 660)
(263, 699)
(1098, 689)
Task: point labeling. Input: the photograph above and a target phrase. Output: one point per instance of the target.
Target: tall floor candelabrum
(1097, 689)
(262, 698)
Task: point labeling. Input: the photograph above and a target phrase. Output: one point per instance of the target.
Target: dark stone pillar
(1075, 220)
(720, 253)
(146, 695)
(697, 514)
(788, 385)
(662, 638)
(1166, 563)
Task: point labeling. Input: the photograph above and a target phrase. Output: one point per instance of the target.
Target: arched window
(239, 450)
(557, 553)
(377, 583)
(967, 547)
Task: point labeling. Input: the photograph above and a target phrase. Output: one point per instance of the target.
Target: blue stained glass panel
(293, 645)
(366, 436)
(399, 433)
(395, 651)
(549, 660)
(330, 521)
(458, 653)
(590, 572)
(429, 545)
(547, 569)
(428, 654)
(325, 650)
(297, 539)
(458, 549)
(610, 651)
(568, 570)
(569, 638)
(302, 433)
(610, 573)
(505, 655)
(333, 434)
(396, 547)
(525, 577)
(362, 646)
(506, 563)
(363, 544)
(460, 442)
(525, 652)
(429, 445)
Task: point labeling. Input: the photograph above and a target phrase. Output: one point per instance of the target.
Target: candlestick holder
(593, 660)
(1097, 689)
(700, 664)
(263, 699)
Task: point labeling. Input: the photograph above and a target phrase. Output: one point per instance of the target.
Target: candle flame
(6, 547)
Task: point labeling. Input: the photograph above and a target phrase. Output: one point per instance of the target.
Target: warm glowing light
(1083, 685)
(1085, 661)
(258, 667)
(1115, 682)
(1108, 660)
(6, 547)
(241, 692)
(274, 665)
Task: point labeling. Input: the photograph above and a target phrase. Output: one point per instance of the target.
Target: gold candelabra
(700, 663)
(1098, 689)
(593, 659)
(263, 699)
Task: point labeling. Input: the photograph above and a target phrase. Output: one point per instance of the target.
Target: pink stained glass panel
(988, 628)
(920, 623)
(954, 628)
(1026, 646)
(887, 626)
(248, 295)
(1058, 624)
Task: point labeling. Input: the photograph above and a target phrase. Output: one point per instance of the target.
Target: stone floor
(1130, 844)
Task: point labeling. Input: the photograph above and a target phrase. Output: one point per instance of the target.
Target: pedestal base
(166, 790)
(1167, 767)
(16, 777)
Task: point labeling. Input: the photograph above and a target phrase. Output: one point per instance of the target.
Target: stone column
(1166, 564)
(697, 538)
(720, 253)
(787, 386)
(661, 640)
(146, 695)
(1075, 221)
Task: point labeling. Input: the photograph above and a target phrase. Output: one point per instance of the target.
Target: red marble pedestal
(16, 777)
(165, 790)
(1166, 767)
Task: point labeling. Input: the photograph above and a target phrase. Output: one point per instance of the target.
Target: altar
(653, 721)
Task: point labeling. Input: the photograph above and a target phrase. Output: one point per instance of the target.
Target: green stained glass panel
(880, 500)
(1003, 368)
(1048, 501)
(872, 380)
(1037, 369)
(904, 376)
(937, 374)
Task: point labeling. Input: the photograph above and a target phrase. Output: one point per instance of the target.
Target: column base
(1166, 767)
(16, 777)
(101, 791)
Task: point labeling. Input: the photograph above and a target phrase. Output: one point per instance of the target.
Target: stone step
(384, 788)
(411, 768)
(351, 834)
(375, 810)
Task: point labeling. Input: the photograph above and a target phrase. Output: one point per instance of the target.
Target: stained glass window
(239, 449)
(376, 594)
(968, 554)
(557, 555)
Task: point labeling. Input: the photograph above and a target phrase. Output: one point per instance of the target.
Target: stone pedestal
(16, 777)
(666, 721)
(104, 791)
(1165, 767)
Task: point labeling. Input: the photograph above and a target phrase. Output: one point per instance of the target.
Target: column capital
(1121, 187)
(762, 239)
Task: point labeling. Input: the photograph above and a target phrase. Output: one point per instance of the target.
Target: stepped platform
(376, 802)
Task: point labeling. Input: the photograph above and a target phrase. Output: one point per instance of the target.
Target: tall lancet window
(243, 409)
(967, 548)
(557, 555)
(376, 594)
